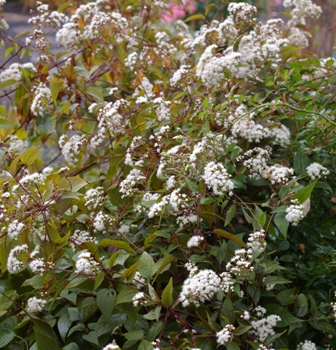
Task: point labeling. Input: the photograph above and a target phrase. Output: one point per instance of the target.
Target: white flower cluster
(109, 117)
(179, 75)
(40, 266)
(94, 198)
(240, 263)
(13, 263)
(217, 178)
(264, 327)
(296, 212)
(138, 280)
(96, 22)
(111, 346)
(316, 171)
(199, 287)
(86, 264)
(242, 11)
(248, 129)
(14, 229)
(128, 185)
(16, 145)
(300, 9)
(14, 71)
(79, 237)
(255, 159)
(45, 18)
(306, 345)
(102, 221)
(35, 305)
(278, 174)
(72, 148)
(195, 241)
(225, 335)
(41, 99)
(256, 242)
(138, 299)
(162, 108)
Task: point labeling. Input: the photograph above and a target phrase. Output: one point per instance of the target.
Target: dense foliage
(165, 189)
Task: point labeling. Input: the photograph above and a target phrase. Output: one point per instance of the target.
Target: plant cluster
(167, 189)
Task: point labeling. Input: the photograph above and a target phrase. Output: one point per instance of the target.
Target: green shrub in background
(190, 200)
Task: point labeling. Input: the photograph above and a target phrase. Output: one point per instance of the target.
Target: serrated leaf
(196, 17)
(230, 236)
(105, 300)
(29, 156)
(167, 294)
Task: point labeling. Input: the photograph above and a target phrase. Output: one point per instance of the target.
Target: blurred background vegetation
(323, 30)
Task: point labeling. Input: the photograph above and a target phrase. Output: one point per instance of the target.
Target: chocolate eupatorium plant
(167, 189)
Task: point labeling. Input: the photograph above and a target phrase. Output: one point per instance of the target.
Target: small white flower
(225, 335)
(316, 171)
(35, 305)
(195, 241)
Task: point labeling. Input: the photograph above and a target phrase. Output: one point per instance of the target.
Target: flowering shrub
(165, 189)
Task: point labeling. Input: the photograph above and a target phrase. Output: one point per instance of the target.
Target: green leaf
(7, 83)
(163, 263)
(192, 185)
(242, 330)
(155, 330)
(281, 223)
(145, 345)
(5, 124)
(29, 156)
(147, 266)
(96, 93)
(167, 294)
(125, 295)
(71, 346)
(196, 17)
(64, 323)
(230, 236)
(7, 333)
(303, 194)
(208, 8)
(228, 310)
(276, 280)
(230, 214)
(134, 335)
(106, 242)
(91, 337)
(44, 335)
(301, 161)
(301, 305)
(74, 183)
(286, 297)
(54, 90)
(105, 300)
